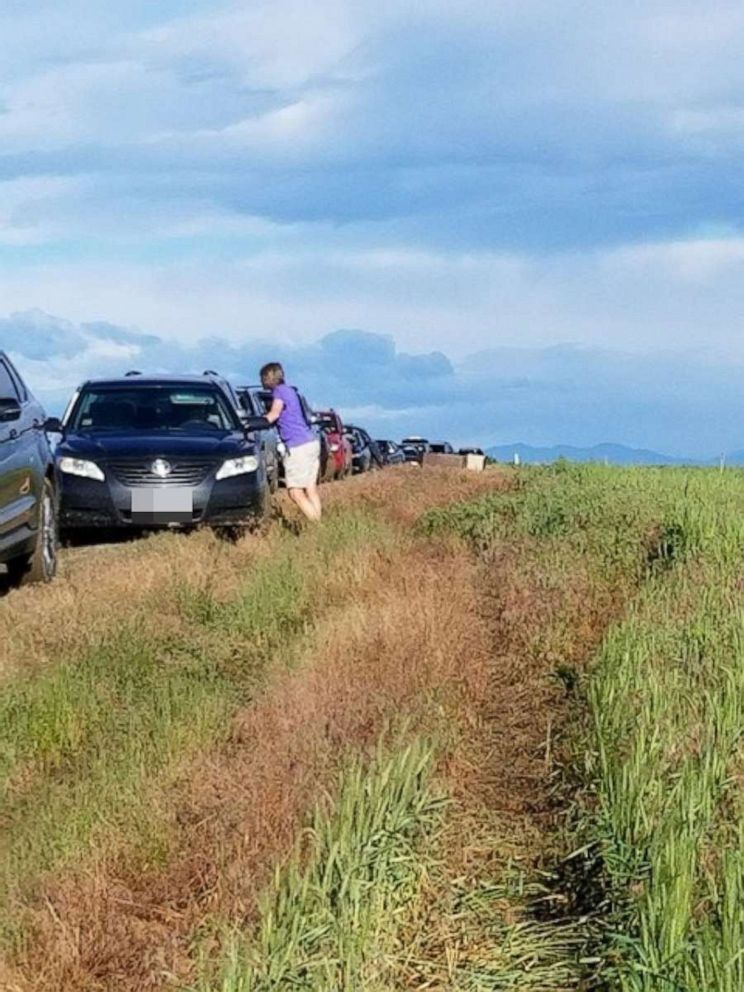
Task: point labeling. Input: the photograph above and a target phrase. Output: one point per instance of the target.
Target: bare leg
(314, 496)
(300, 498)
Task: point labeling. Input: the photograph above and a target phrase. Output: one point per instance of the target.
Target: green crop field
(657, 745)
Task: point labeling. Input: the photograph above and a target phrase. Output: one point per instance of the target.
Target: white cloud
(678, 401)
(458, 175)
(280, 44)
(32, 209)
(649, 297)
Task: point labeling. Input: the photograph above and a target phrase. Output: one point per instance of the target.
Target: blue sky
(505, 221)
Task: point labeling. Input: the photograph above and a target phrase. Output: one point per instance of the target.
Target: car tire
(272, 475)
(262, 511)
(41, 564)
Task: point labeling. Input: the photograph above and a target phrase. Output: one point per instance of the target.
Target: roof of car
(129, 379)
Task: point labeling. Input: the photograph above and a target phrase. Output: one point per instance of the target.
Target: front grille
(184, 471)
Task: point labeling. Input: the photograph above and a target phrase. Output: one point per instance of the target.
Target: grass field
(472, 733)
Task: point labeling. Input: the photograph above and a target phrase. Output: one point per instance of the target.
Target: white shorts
(301, 465)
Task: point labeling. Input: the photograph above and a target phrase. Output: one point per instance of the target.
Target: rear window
(327, 422)
(153, 408)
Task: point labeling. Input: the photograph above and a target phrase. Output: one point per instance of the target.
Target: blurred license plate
(162, 506)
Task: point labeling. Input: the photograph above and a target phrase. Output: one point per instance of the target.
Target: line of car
(143, 451)
(415, 449)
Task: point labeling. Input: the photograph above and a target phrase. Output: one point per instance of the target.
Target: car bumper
(85, 503)
(338, 460)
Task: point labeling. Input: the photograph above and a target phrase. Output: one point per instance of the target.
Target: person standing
(302, 459)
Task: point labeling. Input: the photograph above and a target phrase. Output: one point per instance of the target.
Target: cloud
(663, 295)
(471, 178)
(680, 402)
(506, 126)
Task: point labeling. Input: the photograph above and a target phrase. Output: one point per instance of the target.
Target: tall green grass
(350, 910)
(662, 758)
(667, 702)
(331, 920)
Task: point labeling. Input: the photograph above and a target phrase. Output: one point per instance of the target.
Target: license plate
(162, 506)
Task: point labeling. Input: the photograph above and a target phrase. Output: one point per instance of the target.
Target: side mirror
(251, 424)
(10, 409)
(53, 425)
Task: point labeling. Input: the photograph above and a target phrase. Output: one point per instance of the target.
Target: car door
(260, 401)
(17, 457)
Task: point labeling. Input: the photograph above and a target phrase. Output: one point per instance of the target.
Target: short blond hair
(272, 374)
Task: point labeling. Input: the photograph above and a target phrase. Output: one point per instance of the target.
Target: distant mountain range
(614, 454)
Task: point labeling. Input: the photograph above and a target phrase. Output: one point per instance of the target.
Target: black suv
(28, 500)
(160, 451)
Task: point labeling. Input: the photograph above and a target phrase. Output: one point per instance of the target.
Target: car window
(16, 379)
(8, 389)
(328, 423)
(265, 398)
(153, 408)
(248, 403)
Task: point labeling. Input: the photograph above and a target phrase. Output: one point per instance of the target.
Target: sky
(491, 222)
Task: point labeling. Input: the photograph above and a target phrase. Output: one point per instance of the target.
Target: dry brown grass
(103, 586)
(505, 775)
(404, 493)
(110, 584)
(410, 646)
(411, 643)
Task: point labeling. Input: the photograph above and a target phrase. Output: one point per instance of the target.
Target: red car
(339, 446)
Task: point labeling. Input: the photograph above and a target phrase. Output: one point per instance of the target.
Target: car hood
(120, 445)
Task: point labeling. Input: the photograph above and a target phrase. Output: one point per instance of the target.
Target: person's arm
(276, 411)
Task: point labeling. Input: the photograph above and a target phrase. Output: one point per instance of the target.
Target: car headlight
(81, 467)
(237, 466)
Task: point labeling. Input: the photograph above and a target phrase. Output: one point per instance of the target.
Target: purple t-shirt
(293, 428)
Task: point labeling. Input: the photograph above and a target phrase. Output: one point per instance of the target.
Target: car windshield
(152, 408)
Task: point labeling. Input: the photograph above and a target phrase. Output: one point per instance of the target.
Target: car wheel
(262, 511)
(41, 564)
(273, 477)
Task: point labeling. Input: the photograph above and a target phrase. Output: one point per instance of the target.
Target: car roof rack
(132, 372)
(211, 372)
